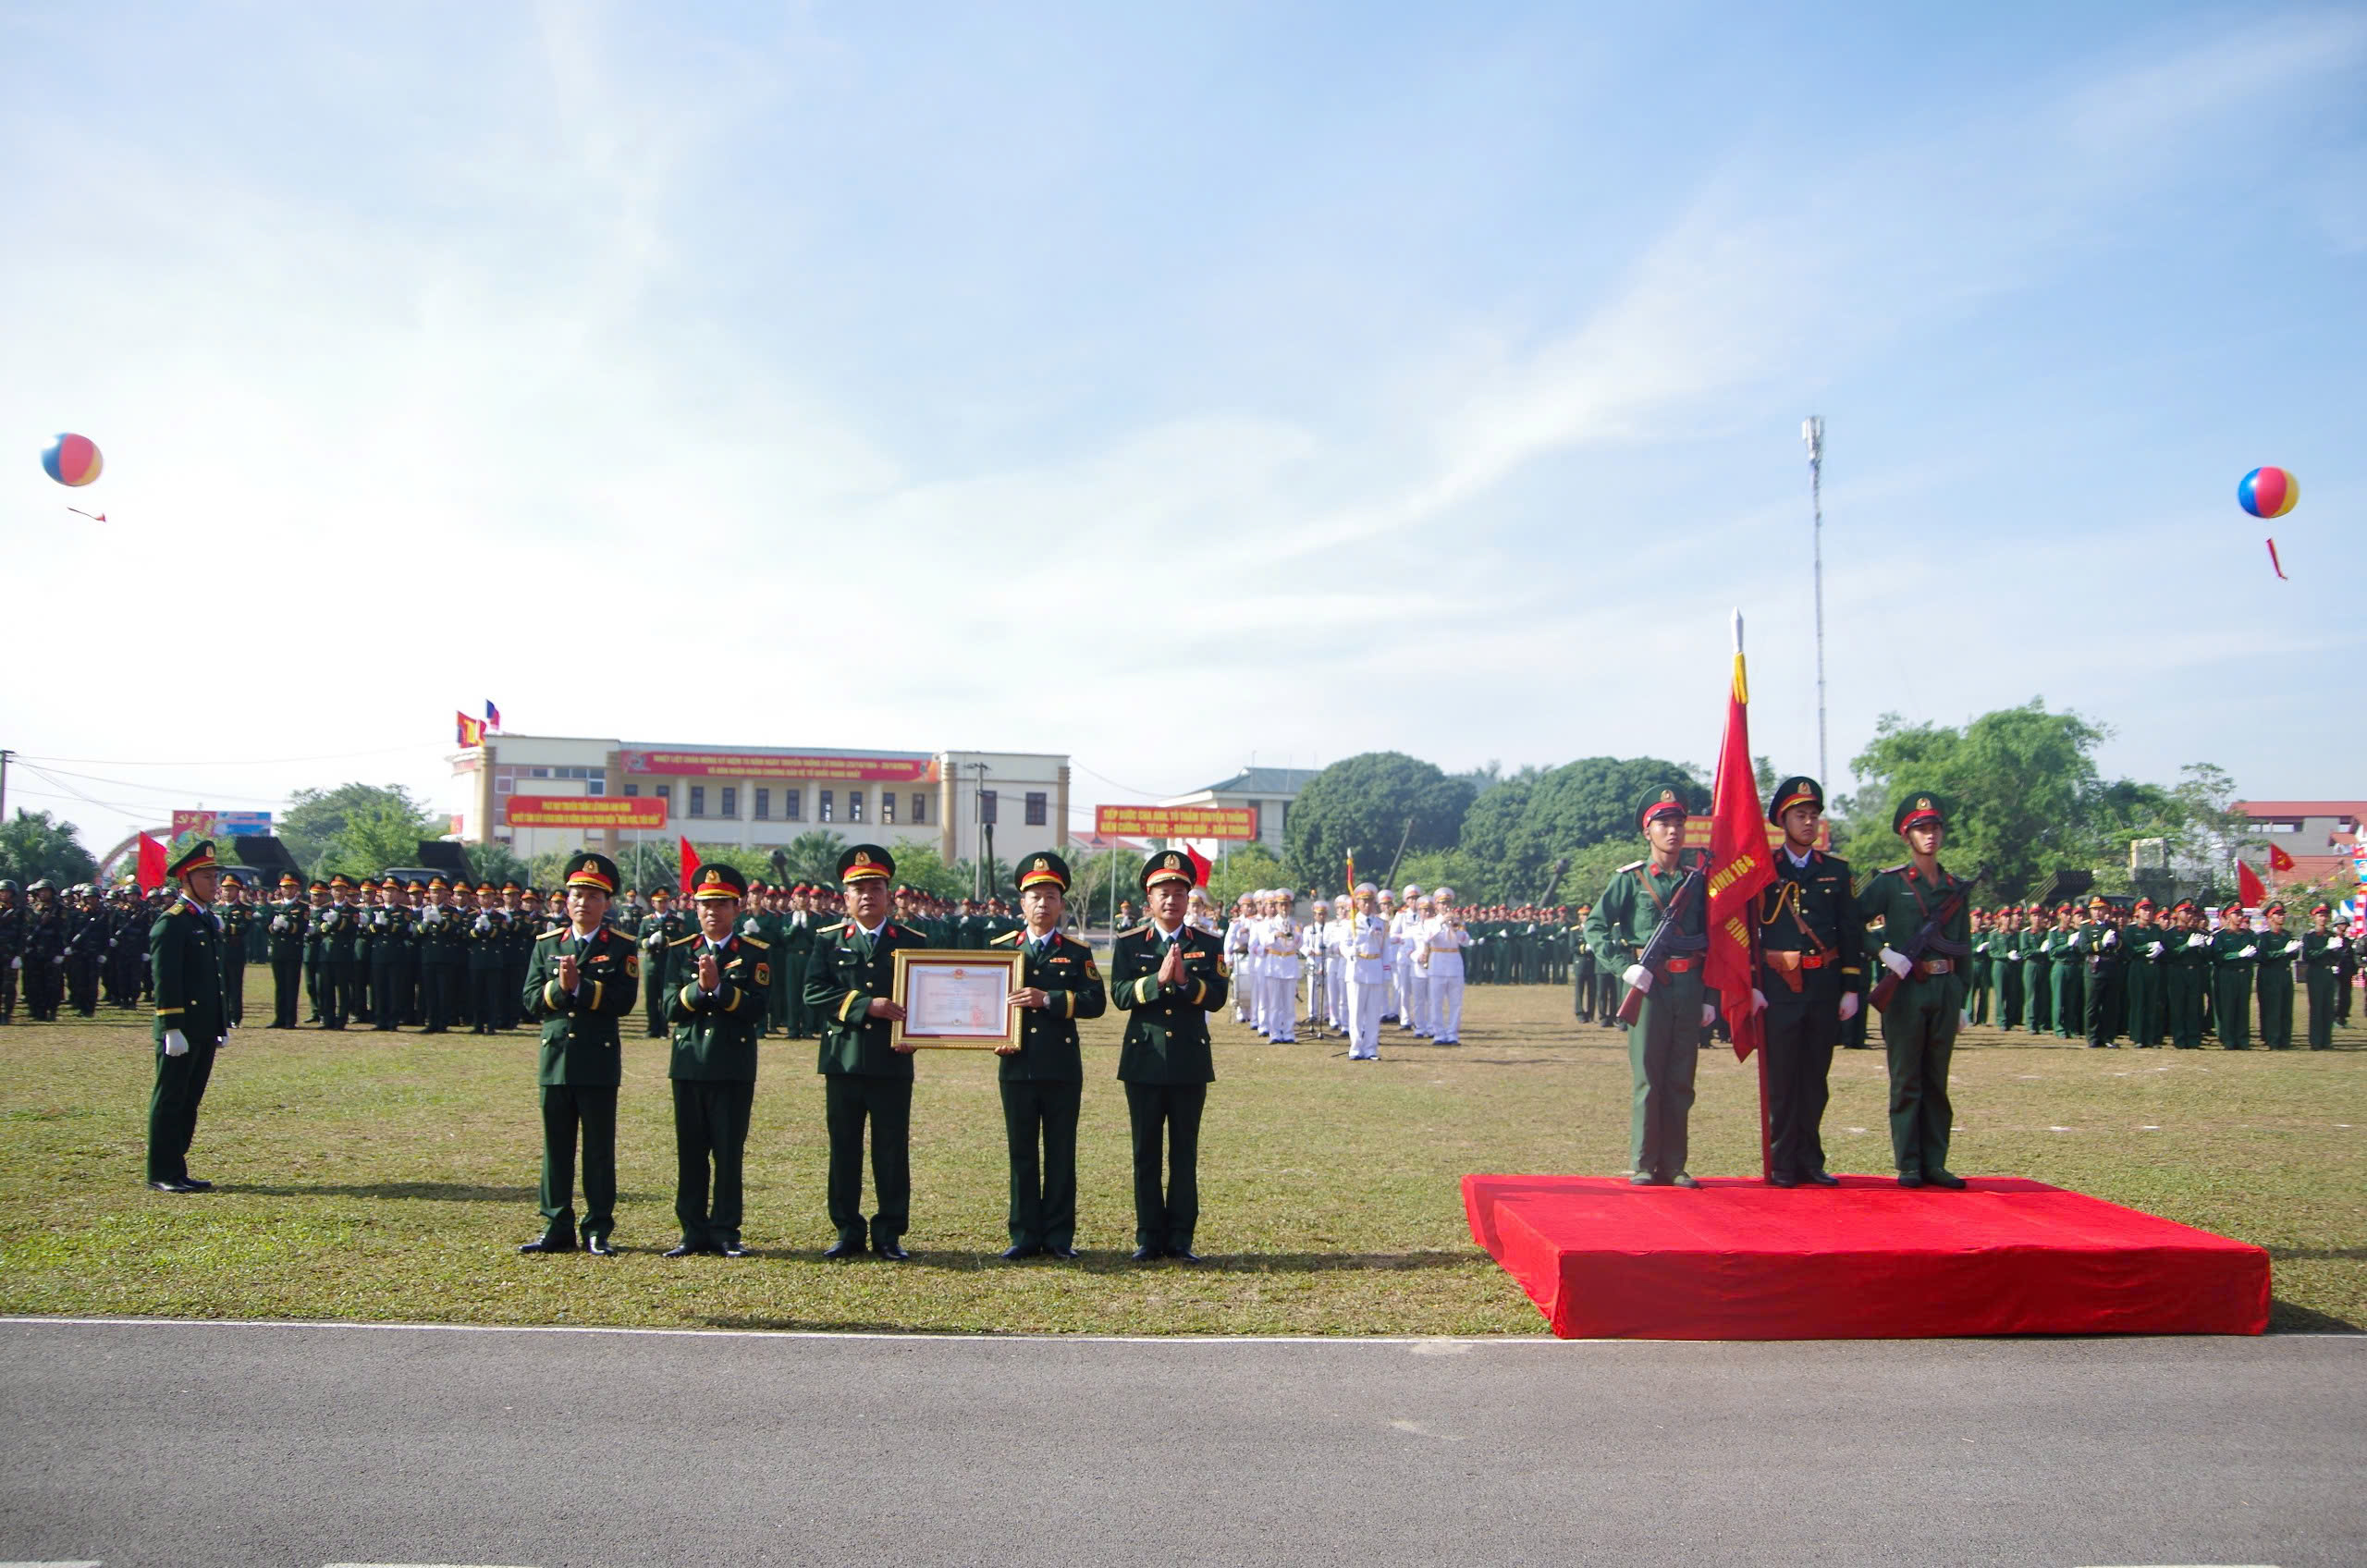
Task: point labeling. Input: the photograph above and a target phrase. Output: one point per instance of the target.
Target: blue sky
(1171, 387)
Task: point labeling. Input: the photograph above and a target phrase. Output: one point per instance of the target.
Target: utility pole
(4, 756)
(1812, 432)
(978, 816)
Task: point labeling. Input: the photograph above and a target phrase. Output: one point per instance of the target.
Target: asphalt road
(191, 1444)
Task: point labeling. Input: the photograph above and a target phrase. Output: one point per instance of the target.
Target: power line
(229, 762)
(160, 789)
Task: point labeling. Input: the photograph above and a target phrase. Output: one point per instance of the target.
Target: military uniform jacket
(1166, 1026)
(390, 935)
(2136, 944)
(1632, 908)
(2322, 952)
(1900, 897)
(184, 965)
(1810, 911)
(2103, 958)
(438, 940)
(2277, 951)
(579, 1046)
(1063, 970)
(715, 1034)
(842, 980)
(2227, 948)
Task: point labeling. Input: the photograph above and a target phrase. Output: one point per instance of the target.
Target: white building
(755, 795)
(1267, 790)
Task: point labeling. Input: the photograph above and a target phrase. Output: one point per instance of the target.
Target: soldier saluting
(1919, 1024)
(582, 979)
(1811, 971)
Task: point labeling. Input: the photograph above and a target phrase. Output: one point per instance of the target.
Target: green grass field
(390, 1176)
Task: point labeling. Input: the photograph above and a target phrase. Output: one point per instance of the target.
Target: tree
(36, 845)
(1515, 832)
(315, 818)
(1369, 804)
(494, 862)
(375, 835)
(813, 856)
(1249, 867)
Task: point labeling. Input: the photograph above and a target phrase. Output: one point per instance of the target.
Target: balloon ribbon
(2277, 564)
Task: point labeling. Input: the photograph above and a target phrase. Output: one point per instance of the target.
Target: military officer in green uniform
(1042, 1078)
(2099, 946)
(2186, 980)
(717, 1012)
(1811, 977)
(1664, 1042)
(2278, 948)
(436, 942)
(286, 934)
(2235, 961)
(2038, 968)
(659, 930)
(390, 948)
(1166, 976)
(1582, 976)
(2005, 955)
(2322, 966)
(581, 980)
(795, 951)
(1920, 1025)
(193, 1019)
(237, 919)
(851, 983)
(2144, 961)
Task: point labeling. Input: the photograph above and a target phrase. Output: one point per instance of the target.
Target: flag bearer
(1810, 975)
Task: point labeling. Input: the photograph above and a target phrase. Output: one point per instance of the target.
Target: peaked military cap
(1660, 803)
(290, 880)
(586, 869)
(437, 881)
(1043, 866)
(339, 879)
(199, 856)
(1918, 805)
(720, 882)
(318, 885)
(866, 863)
(661, 891)
(1169, 866)
(510, 884)
(2274, 906)
(1798, 790)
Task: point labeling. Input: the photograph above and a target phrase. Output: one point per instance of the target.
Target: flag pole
(1766, 1125)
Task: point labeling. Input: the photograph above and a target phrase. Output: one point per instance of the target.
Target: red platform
(1868, 1260)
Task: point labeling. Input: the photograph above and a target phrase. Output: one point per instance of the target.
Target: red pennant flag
(153, 860)
(690, 866)
(2277, 859)
(1739, 867)
(1201, 866)
(2248, 889)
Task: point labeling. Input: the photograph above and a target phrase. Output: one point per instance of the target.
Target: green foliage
(495, 862)
(813, 856)
(36, 844)
(919, 866)
(314, 824)
(1451, 868)
(1369, 804)
(1247, 867)
(1515, 832)
(376, 834)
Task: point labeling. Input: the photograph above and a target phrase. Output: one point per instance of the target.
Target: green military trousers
(2277, 1007)
(2144, 986)
(2231, 1004)
(710, 1137)
(2182, 1005)
(568, 1110)
(172, 1108)
(887, 1103)
(1043, 1184)
(2326, 989)
(2070, 998)
(1166, 1213)
(1663, 1046)
(1919, 1034)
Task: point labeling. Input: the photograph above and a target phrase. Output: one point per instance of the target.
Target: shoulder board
(1898, 870)
(554, 931)
(1136, 930)
(1631, 865)
(1831, 859)
(1006, 936)
(683, 941)
(760, 946)
(827, 929)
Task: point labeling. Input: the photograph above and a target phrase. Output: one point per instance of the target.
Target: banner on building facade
(1175, 821)
(592, 812)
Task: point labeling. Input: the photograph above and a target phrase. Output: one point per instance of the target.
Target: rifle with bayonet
(1668, 939)
(1925, 939)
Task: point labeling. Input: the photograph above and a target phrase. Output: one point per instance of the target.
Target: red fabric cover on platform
(1868, 1260)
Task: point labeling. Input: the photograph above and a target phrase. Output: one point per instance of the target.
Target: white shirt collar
(1799, 860)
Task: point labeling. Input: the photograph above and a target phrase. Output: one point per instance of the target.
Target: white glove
(748, 926)
(1896, 964)
(1758, 999)
(2013, 958)
(176, 1043)
(1709, 1015)
(2154, 950)
(2110, 937)
(1638, 978)
(485, 924)
(2197, 940)
(16, 963)
(1848, 1005)
(2253, 951)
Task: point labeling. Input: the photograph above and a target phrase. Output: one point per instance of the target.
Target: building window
(764, 803)
(986, 808)
(504, 786)
(596, 787)
(1036, 808)
(731, 800)
(826, 813)
(920, 809)
(855, 805)
(665, 791)
(541, 772)
(698, 800)
(793, 804)
(632, 789)
(887, 807)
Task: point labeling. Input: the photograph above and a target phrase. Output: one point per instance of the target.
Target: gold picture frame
(944, 992)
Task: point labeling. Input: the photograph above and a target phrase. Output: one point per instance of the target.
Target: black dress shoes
(1066, 1255)
(731, 1249)
(893, 1252)
(1184, 1255)
(550, 1244)
(1643, 1179)
(1947, 1178)
(840, 1252)
(172, 1186)
(1148, 1255)
(1819, 1179)
(197, 1184)
(685, 1250)
(598, 1246)
(1780, 1179)
(1013, 1254)
(1682, 1179)
(1911, 1178)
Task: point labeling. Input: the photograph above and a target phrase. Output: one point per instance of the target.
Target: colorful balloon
(72, 460)
(2269, 492)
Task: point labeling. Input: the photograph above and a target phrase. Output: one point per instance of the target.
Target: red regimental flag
(151, 869)
(1739, 867)
(2248, 889)
(2277, 859)
(1199, 866)
(690, 865)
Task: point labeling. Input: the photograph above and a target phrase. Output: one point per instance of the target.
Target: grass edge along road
(390, 1177)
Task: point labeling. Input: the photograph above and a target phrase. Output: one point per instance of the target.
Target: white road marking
(92, 1563)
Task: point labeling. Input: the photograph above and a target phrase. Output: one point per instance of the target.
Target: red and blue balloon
(72, 460)
(2269, 492)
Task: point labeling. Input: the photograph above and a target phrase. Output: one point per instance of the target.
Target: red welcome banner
(583, 811)
(1175, 821)
(870, 770)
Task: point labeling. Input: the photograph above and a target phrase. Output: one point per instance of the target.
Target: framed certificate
(954, 999)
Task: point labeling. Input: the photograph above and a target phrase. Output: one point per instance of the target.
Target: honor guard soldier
(12, 948)
(1365, 955)
(486, 933)
(659, 930)
(717, 1012)
(851, 984)
(2099, 946)
(185, 966)
(1166, 976)
(237, 919)
(2145, 960)
(1920, 1025)
(1042, 1078)
(284, 937)
(2278, 948)
(390, 948)
(2235, 960)
(2322, 956)
(796, 951)
(1810, 979)
(581, 982)
(1663, 1045)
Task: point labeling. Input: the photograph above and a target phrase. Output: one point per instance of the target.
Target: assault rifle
(1666, 937)
(1924, 939)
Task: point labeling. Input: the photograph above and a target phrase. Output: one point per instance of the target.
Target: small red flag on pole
(153, 860)
(1199, 866)
(690, 865)
(2277, 859)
